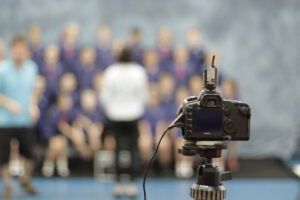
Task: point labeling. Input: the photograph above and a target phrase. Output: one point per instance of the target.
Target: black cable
(213, 61)
(172, 125)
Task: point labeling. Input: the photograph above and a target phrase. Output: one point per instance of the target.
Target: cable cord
(172, 125)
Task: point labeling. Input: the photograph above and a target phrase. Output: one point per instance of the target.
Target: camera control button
(230, 126)
(245, 110)
(192, 98)
(226, 111)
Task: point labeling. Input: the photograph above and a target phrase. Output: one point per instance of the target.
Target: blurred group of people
(69, 91)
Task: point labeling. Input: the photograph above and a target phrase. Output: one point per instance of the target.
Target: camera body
(207, 117)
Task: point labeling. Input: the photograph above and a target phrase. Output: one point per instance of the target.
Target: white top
(124, 92)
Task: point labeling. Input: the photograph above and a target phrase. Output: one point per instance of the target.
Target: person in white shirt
(123, 98)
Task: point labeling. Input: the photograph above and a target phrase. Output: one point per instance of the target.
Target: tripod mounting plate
(209, 149)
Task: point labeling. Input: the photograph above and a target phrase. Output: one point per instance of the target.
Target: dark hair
(18, 39)
(125, 56)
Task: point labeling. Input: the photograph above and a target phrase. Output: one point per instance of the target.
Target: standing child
(195, 48)
(183, 164)
(181, 68)
(168, 107)
(36, 45)
(164, 49)
(86, 69)
(52, 70)
(151, 63)
(148, 125)
(103, 48)
(136, 45)
(68, 47)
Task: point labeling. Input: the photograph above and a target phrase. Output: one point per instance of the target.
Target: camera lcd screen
(207, 121)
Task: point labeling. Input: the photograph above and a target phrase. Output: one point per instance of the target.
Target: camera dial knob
(245, 110)
(230, 126)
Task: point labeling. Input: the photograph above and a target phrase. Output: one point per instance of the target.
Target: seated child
(87, 125)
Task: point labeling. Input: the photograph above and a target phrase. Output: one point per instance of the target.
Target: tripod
(208, 185)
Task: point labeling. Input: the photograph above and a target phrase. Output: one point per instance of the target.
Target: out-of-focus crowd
(69, 86)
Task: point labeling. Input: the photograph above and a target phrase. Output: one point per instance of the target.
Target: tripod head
(209, 177)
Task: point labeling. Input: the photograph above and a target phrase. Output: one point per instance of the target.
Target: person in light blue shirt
(16, 85)
(18, 111)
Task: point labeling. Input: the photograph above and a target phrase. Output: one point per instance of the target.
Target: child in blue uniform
(195, 85)
(103, 48)
(68, 84)
(181, 68)
(168, 108)
(88, 125)
(117, 47)
(36, 46)
(52, 70)
(58, 127)
(43, 104)
(151, 63)
(136, 46)
(196, 52)
(86, 69)
(183, 164)
(148, 124)
(69, 50)
(164, 49)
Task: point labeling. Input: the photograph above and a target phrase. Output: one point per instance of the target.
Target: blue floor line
(157, 189)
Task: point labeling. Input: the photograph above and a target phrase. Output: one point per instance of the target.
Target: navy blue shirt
(85, 76)
(69, 57)
(153, 116)
(104, 57)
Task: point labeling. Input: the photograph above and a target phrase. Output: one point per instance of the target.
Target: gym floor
(158, 189)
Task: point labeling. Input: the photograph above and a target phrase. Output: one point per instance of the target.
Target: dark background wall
(258, 41)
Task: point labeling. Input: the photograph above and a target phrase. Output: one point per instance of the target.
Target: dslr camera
(208, 117)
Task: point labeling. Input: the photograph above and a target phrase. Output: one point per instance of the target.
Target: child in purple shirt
(35, 45)
(136, 46)
(88, 125)
(86, 69)
(52, 70)
(152, 66)
(183, 165)
(68, 84)
(43, 104)
(195, 85)
(58, 127)
(164, 49)
(196, 52)
(68, 47)
(181, 68)
(147, 125)
(103, 48)
(166, 87)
